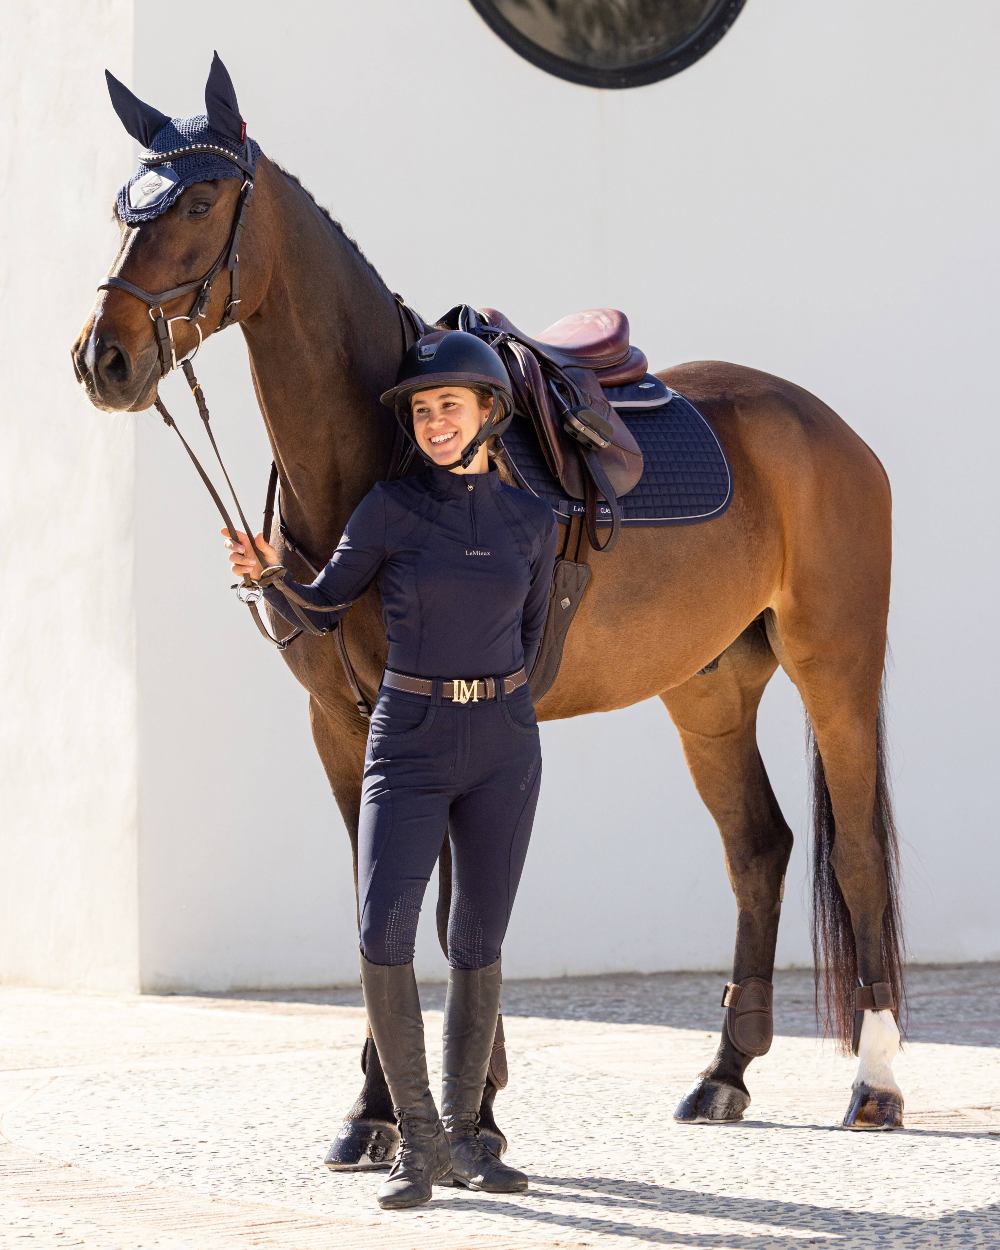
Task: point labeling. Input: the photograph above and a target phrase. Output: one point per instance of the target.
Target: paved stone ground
(173, 1123)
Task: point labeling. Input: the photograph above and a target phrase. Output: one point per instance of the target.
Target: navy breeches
(433, 766)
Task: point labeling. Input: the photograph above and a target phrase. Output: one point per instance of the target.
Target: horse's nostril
(113, 366)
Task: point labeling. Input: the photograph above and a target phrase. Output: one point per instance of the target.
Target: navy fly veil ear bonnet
(159, 183)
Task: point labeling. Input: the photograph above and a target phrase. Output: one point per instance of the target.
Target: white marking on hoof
(876, 1101)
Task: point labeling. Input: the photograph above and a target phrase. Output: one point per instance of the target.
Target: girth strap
(596, 480)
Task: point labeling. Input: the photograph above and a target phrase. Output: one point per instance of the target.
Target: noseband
(228, 258)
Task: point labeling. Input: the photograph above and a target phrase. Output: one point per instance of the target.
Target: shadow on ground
(804, 1222)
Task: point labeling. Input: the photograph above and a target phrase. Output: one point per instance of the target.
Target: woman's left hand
(244, 562)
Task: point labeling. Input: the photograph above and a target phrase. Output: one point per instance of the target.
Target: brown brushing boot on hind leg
(470, 1021)
(397, 1025)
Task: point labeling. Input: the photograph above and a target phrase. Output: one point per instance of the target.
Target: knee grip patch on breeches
(391, 939)
(465, 932)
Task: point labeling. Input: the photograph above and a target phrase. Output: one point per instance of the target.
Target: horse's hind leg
(716, 716)
(832, 645)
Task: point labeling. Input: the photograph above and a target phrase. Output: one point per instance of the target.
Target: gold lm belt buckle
(463, 691)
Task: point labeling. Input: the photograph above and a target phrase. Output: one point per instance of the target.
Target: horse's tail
(834, 952)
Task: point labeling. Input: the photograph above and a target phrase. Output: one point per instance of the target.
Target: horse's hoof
(712, 1102)
(874, 1108)
(363, 1144)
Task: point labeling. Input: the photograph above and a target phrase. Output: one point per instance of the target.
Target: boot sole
(448, 1179)
(460, 1182)
(402, 1206)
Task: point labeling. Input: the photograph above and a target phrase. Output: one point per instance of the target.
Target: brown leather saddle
(559, 381)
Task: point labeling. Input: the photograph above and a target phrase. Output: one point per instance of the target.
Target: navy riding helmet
(452, 357)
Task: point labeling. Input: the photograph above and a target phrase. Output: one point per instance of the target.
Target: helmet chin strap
(471, 449)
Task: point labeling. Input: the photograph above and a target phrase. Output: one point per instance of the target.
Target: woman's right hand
(241, 557)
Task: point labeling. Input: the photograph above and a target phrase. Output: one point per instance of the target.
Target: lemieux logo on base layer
(475, 551)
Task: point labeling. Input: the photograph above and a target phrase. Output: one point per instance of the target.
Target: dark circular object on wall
(610, 43)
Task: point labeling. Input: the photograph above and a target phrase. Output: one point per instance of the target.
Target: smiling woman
(449, 417)
(464, 565)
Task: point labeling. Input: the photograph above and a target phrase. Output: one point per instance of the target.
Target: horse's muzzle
(114, 379)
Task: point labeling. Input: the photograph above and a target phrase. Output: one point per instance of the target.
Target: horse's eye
(199, 208)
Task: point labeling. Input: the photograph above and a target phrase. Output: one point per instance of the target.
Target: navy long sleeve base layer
(464, 566)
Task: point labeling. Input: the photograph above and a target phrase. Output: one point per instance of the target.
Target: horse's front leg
(716, 716)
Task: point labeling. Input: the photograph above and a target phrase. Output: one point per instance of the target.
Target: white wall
(68, 767)
(817, 198)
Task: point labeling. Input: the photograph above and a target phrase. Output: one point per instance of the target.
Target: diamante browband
(195, 149)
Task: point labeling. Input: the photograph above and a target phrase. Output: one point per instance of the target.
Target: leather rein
(248, 591)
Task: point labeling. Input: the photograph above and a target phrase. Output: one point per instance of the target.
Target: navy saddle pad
(686, 477)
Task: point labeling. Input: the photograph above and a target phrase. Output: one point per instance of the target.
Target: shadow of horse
(849, 1228)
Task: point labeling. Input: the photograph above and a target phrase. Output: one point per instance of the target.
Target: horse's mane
(335, 225)
(325, 212)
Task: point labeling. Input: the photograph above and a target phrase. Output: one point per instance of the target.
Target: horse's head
(175, 279)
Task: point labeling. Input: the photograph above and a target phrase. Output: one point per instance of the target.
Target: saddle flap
(534, 396)
(621, 459)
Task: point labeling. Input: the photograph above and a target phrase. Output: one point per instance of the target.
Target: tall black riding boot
(470, 1021)
(393, 1007)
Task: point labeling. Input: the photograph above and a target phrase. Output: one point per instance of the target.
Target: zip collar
(451, 485)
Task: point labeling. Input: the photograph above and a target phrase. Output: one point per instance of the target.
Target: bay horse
(794, 574)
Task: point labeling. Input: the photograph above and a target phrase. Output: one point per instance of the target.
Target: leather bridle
(228, 258)
(248, 591)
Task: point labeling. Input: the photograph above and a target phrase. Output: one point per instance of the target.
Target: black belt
(457, 690)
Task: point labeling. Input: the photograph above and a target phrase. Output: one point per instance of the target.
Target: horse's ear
(142, 121)
(220, 103)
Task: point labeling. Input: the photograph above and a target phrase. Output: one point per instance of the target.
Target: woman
(464, 565)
